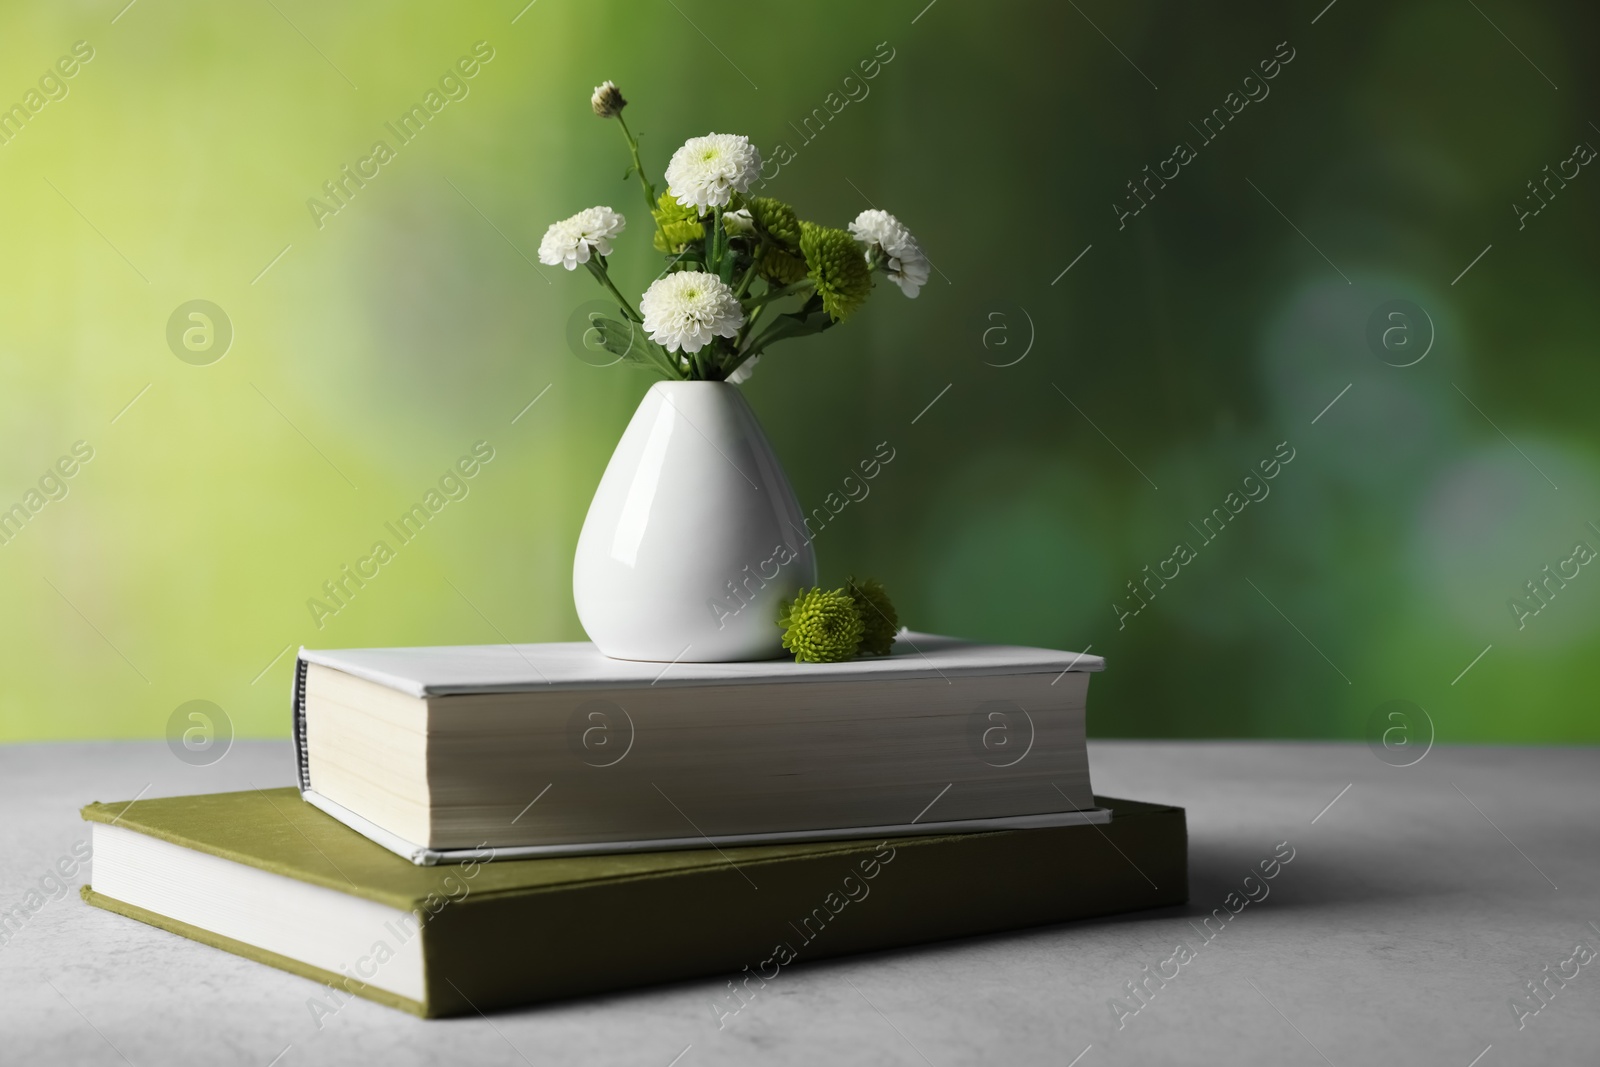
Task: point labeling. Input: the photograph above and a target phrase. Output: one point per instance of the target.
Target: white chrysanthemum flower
(708, 170)
(568, 243)
(742, 372)
(905, 262)
(685, 310)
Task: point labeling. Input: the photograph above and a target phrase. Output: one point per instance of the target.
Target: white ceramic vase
(694, 535)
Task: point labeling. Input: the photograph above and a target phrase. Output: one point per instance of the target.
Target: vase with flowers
(694, 541)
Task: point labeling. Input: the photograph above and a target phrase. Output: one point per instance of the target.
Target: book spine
(301, 756)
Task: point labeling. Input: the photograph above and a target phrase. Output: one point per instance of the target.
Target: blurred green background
(1184, 344)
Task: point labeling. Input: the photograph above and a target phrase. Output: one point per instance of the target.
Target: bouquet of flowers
(742, 271)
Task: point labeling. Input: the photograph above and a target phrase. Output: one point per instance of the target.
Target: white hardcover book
(554, 749)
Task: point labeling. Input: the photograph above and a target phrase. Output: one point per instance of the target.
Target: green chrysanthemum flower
(836, 264)
(879, 621)
(821, 626)
(676, 225)
(776, 217)
(780, 266)
(781, 262)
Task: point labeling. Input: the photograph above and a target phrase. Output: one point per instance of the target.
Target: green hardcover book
(269, 877)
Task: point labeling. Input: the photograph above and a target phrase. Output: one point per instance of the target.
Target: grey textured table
(1415, 907)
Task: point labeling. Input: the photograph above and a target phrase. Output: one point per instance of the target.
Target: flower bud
(607, 100)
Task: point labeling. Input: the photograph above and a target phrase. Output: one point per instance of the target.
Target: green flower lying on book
(831, 625)
(703, 319)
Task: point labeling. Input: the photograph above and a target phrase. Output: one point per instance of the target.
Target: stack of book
(480, 827)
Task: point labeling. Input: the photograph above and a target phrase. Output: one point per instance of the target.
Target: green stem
(759, 344)
(775, 294)
(638, 167)
(663, 359)
(714, 246)
(597, 267)
(750, 272)
(746, 346)
(727, 371)
(702, 364)
(749, 328)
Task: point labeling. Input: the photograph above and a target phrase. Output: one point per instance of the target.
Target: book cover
(496, 935)
(456, 670)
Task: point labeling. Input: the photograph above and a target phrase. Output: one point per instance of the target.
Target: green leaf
(629, 343)
(811, 318)
(624, 340)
